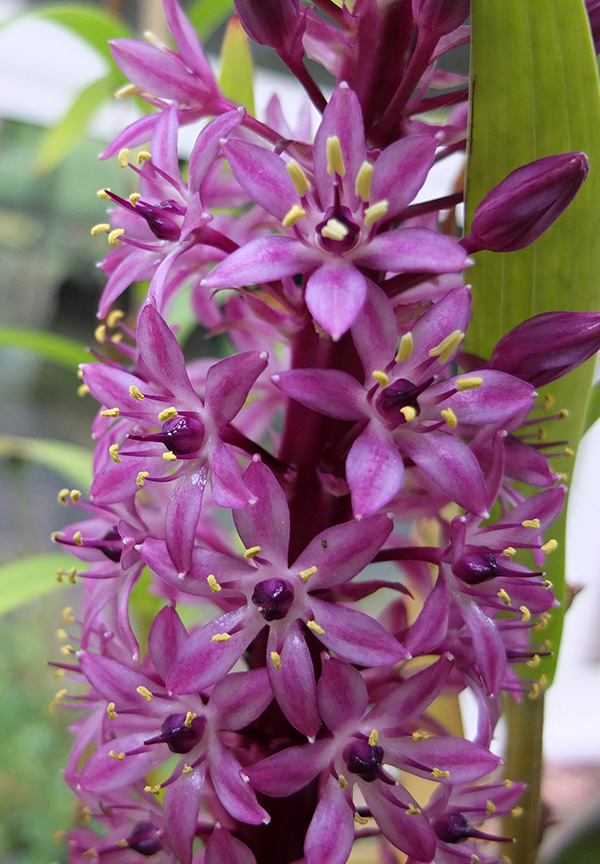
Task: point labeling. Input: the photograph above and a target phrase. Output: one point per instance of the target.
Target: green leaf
(535, 92)
(593, 408)
(236, 76)
(94, 25)
(58, 141)
(72, 462)
(31, 577)
(206, 15)
(50, 346)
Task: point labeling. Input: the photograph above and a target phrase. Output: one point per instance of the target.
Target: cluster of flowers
(291, 713)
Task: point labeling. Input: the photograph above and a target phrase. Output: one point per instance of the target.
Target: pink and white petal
(354, 636)
(464, 760)
(116, 682)
(430, 628)
(208, 146)
(293, 683)
(449, 314)
(181, 806)
(411, 697)
(289, 770)
(164, 150)
(374, 332)
(335, 294)
(499, 398)
(110, 386)
(188, 45)
(155, 71)
(329, 391)
(409, 250)
(228, 488)
(341, 692)
(264, 259)
(182, 514)
(266, 523)
(411, 833)
(133, 135)
(137, 265)
(235, 794)
(400, 171)
(488, 648)
(162, 354)
(166, 636)
(374, 470)
(330, 835)
(103, 774)
(222, 848)
(240, 697)
(262, 175)
(342, 117)
(229, 381)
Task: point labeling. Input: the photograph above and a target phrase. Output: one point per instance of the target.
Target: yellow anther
(100, 228)
(114, 755)
(535, 691)
(450, 417)
(298, 178)
(490, 807)
(136, 393)
(543, 681)
(123, 157)
(114, 453)
(66, 650)
(334, 229)
(212, 583)
(71, 575)
(63, 497)
(409, 413)
(110, 412)
(167, 414)
(342, 782)
(420, 735)
(447, 346)
(144, 692)
(362, 184)
(374, 738)
(381, 378)
(141, 477)
(535, 661)
(58, 698)
(83, 390)
(134, 198)
(153, 790)
(474, 859)
(504, 597)
(90, 853)
(113, 237)
(509, 552)
(189, 717)
(58, 673)
(375, 212)
(360, 820)
(563, 413)
(542, 623)
(550, 546)
(77, 538)
(517, 812)
(123, 843)
(548, 401)
(100, 333)
(569, 452)
(221, 637)
(251, 552)
(471, 383)
(143, 156)
(306, 574)
(61, 634)
(169, 456)
(187, 769)
(508, 784)
(335, 160)
(276, 659)
(127, 90)
(316, 628)
(110, 710)
(294, 214)
(103, 194)
(440, 774)
(405, 348)
(67, 614)
(75, 495)
(547, 584)
(411, 810)
(59, 835)
(113, 318)
(530, 523)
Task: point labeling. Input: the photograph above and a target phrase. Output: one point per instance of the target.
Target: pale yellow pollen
(298, 178)
(316, 628)
(530, 523)
(141, 477)
(103, 194)
(548, 584)
(535, 691)
(447, 346)
(83, 390)
(58, 698)
(113, 237)
(569, 452)
(58, 673)
(306, 574)
(508, 784)
(535, 661)
(75, 495)
(490, 807)
(92, 852)
(342, 782)
(63, 497)
(114, 453)
(543, 621)
(509, 552)
(526, 616)
(548, 401)
(376, 212)
(543, 681)
(123, 157)
(504, 597)
(66, 650)
(221, 637)
(212, 583)
(71, 575)
(100, 333)
(335, 160)
(187, 769)
(127, 90)
(135, 393)
(420, 735)
(169, 456)
(67, 614)
(381, 378)
(294, 214)
(276, 659)
(440, 774)
(59, 835)
(100, 228)
(360, 820)
(563, 413)
(143, 156)
(549, 547)
(77, 538)
(153, 790)
(405, 348)
(450, 417)
(474, 859)
(123, 843)
(189, 717)
(374, 738)
(134, 198)
(114, 755)
(471, 383)
(251, 552)
(144, 692)
(113, 318)
(110, 412)
(517, 812)
(167, 414)
(411, 810)
(334, 229)
(61, 634)
(110, 710)
(409, 413)
(362, 184)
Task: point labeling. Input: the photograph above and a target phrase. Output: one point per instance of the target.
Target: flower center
(180, 736)
(112, 551)
(274, 598)
(180, 435)
(393, 399)
(338, 232)
(160, 218)
(144, 839)
(452, 828)
(365, 760)
(478, 565)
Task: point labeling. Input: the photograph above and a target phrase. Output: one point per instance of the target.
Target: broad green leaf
(593, 408)
(72, 462)
(32, 577)
(50, 346)
(94, 25)
(58, 141)
(535, 92)
(236, 76)
(206, 15)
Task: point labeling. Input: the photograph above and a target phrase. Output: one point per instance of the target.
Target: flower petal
(335, 294)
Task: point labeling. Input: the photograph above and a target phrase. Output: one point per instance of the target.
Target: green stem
(523, 762)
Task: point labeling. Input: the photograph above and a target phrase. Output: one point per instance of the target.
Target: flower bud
(547, 346)
(520, 208)
(276, 23)
(439, 16)
(593, 11)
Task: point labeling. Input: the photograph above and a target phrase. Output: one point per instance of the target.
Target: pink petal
(335, 295)
(264, 259)
(182, 804)
(356, 637)
(330, 835)
(294, 683)
(374, 470)
(266, 523)
(262, 175)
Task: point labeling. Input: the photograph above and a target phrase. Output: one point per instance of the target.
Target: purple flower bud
(365, 760)
(144, 839)
(276, 23)
(547, 346)
(593, 11)
(180, 435)
(439, 16)
(180, 734)
(274, 598)
(454, 827)
(476, 566)
(520, 208)
(162, 225)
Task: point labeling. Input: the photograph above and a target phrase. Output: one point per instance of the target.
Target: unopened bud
(276, 23)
